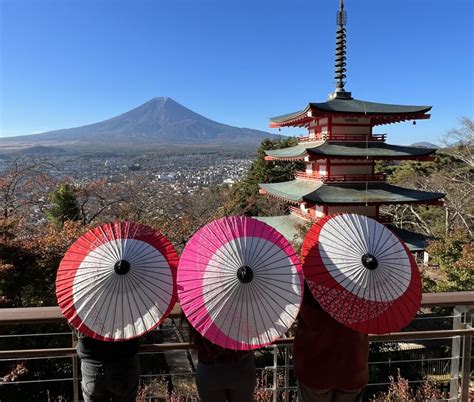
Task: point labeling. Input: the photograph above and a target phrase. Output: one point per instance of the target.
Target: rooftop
(382, 113)
(373, 150)
(347, 193)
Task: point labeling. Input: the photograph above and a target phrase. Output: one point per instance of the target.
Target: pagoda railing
(309, 176)
(306, 138)
(298, 212)
(354, 177)
(340, 177)
(356, 137)
(345, 137)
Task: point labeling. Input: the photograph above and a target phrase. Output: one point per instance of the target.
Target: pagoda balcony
(305, 139)
(345, 137)
(357, 137)
(341, 178)
(299, 213)
(309, 176)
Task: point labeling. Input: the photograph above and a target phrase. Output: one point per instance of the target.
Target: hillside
(160, 121)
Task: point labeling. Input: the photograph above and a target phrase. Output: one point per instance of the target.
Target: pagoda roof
(293, 190)
(347, 193)
(287, 225)
(374, 150)
(372, 193)
(388, 113)
(297, 151)
(414, 241)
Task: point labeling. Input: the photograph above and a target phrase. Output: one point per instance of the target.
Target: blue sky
(66, 63)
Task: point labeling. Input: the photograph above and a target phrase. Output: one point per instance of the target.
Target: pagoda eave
(381, 120)
(289, 158)
(438, 203)
(370, 193)
(376, 120)
(379, 158)
(379, 113)
(291, 191)
(319, 193)
(261, 191)
(303, 121)
(351, 150)
(290, 227)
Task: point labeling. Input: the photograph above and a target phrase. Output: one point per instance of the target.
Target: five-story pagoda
(339, 152)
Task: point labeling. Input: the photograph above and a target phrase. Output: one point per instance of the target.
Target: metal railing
(451, 369)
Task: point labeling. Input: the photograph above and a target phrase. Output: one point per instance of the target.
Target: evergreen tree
(64, 206)
(262, 171)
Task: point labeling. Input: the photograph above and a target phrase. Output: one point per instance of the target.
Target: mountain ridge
(161, 120)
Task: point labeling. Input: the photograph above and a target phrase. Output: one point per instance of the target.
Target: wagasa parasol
(117, 281)
(361, 273)
(240, 283)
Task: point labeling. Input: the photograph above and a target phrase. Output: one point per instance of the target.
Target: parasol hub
(369, 261)
(245, 274)
(121, 267)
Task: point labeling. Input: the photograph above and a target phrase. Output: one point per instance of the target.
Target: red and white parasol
(240, 283)
(118, 281)
(361, 273)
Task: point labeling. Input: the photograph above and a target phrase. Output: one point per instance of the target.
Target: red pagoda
(339, 153)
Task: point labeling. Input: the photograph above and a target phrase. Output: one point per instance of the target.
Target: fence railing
(452, 369)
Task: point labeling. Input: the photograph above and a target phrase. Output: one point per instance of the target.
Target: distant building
(167, 177)
(228, 182)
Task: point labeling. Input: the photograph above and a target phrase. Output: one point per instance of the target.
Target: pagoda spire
(340, 62)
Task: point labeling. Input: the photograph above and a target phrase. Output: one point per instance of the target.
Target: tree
(24, 186)
(245, 192)
(447, 174)
(28, 264)
(454, 256)
(460, 142)
(64, 206)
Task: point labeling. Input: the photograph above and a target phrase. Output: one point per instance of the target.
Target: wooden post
(455, 354)
(466, 368)
(466, 360)
(275, 373)
(75, 370)
(287, 373)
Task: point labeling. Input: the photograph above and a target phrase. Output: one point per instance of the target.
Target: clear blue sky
(66, 63)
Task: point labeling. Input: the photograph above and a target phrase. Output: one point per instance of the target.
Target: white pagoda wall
(361, 169)
(351, 130)
(340, 125)
(351, 120)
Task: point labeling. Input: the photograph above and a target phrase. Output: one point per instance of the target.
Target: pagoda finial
(340, 64)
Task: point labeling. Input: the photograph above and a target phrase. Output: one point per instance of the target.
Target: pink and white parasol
(118, 281)
(240, 283)
(361, 273)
